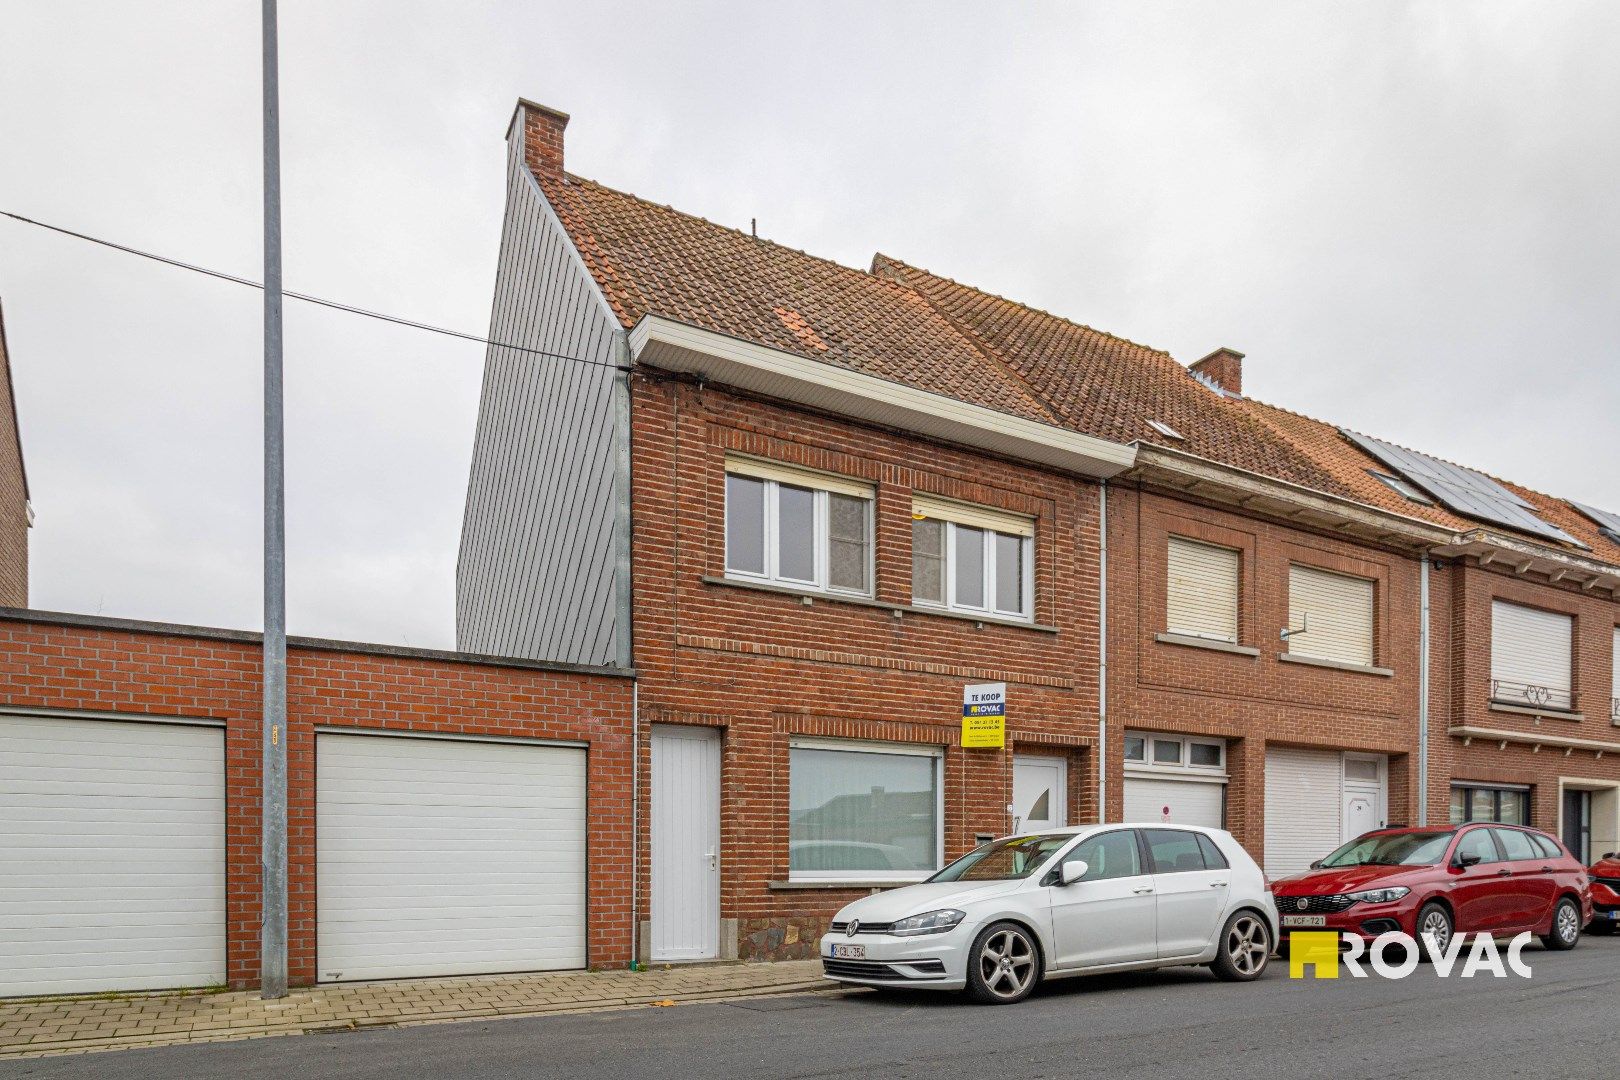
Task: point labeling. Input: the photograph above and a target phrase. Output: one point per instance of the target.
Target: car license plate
(1612, 916)
(849, 952)
(1304, 920)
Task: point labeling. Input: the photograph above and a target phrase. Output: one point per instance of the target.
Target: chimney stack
(542, 136)
(1224, 368)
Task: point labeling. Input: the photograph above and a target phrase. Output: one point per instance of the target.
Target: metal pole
(273, 825)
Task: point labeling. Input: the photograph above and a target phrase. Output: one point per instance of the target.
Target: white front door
(1363, 794)
(1039, 787)
(685, 843)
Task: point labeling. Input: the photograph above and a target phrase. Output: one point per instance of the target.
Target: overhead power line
(308, 299)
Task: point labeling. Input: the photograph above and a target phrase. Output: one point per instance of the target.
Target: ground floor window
(866, 811)
(1509, 805)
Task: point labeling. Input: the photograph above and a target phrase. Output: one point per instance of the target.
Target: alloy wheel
(1007, 963)
(1437, 928)
(1248, 945)
(1568, 925)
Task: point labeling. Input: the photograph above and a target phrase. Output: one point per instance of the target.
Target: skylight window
(1167, 431)
(1410, 491)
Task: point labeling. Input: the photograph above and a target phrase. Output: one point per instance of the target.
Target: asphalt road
(1563, 1022)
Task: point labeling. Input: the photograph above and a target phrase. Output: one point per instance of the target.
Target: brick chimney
(542, 136)
(1224, 368)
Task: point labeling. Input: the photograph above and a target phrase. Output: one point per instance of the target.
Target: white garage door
(1190, 802)
(444, 857)
(1303, 804)
(112, 856)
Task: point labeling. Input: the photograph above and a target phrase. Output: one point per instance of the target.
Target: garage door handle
(714, 860)
(1143, 889)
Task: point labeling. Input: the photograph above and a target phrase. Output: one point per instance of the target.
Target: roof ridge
(1029, 308)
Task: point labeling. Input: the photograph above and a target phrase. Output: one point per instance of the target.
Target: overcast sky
(1407, 215)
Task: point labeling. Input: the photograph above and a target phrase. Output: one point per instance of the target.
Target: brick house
(16, 514)
(815, 503)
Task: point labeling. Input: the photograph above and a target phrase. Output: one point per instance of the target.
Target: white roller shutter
(1304, 803)
(1530, 655)
(1337, 608)
(1191, 802)
(446, 857)
(112, 856)
(1201, 596)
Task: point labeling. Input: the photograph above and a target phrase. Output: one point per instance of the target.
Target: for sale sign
(984, 715)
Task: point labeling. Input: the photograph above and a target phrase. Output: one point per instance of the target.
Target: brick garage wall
(1254, 700)
(765, 667)
(1468, 591)
(111, 666)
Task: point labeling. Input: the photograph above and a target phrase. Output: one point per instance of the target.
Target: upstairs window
(1336, 611)
(1530, 657)
(972, 559)
(797, 527)
(1201, 598)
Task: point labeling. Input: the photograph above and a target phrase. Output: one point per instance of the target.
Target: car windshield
(1014, 857)
(1392, 849)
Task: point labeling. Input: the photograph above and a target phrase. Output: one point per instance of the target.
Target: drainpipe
(1102, 659)
(635, 823)
(1423, 694)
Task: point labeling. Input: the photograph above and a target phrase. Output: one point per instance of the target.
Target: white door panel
(112, 856)
(685, 902)
(1108, 918)
(1303, 811)
(1190, 802)
(1039, 788)
(447, 857)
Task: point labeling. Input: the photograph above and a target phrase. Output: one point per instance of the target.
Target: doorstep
(38, 1027)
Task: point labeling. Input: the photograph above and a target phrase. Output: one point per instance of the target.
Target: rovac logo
(1395, 955)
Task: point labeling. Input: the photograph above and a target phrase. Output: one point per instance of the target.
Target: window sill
(862, 601)
(834, 886)
(1206, 643)
(1336, 665)
(1531, 710)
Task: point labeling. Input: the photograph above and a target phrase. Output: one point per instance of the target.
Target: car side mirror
(1074, 871)
(1317, 865)
(1608, 854)
(1468, 858)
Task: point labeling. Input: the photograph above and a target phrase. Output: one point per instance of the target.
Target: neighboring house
(16, 513)
(811, 504)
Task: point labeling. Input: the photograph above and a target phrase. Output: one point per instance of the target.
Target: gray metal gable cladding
(540, 573)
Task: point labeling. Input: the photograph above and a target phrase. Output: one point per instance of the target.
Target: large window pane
(745, 524)
(1459, 806)
(928, 561)
(1511, 807)
(1483, 807)
(860, 813)
(795, 532)
(969, 570)
(1009, 573)
(846, 545)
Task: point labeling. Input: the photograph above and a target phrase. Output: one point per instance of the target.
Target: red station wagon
(1606, 893)
(1477, 878)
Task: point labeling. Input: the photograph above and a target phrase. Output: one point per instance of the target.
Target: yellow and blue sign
(984, 716)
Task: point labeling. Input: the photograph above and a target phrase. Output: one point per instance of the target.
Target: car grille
(1315, 905)
(1611, 882)
(874, 969)
(865, 928)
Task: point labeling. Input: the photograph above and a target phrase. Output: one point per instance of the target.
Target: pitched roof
(906, 325)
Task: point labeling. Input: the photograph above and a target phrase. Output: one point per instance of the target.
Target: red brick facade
(100, 666)
(765, 667)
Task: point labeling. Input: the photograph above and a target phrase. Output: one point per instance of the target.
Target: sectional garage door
(1190, 802)
(447, 857)
(112, 855)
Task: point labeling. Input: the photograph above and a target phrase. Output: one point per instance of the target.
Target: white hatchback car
(1079, 901)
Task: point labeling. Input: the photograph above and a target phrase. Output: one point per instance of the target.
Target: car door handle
(1546, 869)
(1503, 872)
(1143, 889)
(1217, 884)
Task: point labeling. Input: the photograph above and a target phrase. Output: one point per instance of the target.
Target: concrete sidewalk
(48, 1026)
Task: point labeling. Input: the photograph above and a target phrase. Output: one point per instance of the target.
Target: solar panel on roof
(1469, 493)
(1609, 523)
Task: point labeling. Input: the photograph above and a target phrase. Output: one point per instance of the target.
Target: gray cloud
(1404, 214)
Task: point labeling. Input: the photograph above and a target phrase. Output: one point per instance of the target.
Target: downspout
(635, 823)
(1423, 695)
(1102, 658)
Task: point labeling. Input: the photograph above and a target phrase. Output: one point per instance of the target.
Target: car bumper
(927, 962)
(1362, 920)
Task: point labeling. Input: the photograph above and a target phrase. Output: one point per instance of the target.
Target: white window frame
(822, 488)
(854, 746)
(1184, 767)
(985, 522)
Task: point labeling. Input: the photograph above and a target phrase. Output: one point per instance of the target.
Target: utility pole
(273, 822)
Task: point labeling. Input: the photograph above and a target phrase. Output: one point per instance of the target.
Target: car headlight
(1379, 896)
(929, 922)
